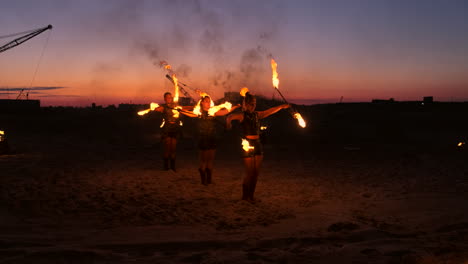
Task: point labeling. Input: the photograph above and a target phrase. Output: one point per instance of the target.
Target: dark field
(363, 183)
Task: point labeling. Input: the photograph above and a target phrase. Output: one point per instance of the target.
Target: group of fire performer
(205, 110)
(252, 153)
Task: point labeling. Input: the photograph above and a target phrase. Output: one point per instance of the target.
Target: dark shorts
(256, 151)
(171, 130)
(207, 142)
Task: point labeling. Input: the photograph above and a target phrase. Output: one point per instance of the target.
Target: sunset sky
(108, 52)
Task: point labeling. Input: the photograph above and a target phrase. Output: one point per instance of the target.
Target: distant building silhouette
(428, 100)
(383, 101)
(18, 105)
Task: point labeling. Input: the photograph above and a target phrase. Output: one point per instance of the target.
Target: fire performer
(207, 113)
(171, 130)
(252, 153)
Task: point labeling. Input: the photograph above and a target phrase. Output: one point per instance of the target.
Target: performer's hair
(166, 93)
(249, 97)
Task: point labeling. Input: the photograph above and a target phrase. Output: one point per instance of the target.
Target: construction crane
(22, 39)
(28, 35)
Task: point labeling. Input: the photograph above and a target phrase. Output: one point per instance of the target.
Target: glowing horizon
(326, 50)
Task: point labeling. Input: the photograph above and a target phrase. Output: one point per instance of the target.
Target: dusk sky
(108, 52)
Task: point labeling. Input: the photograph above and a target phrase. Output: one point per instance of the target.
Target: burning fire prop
(460, 144)
(2, 135)
(275, 80)
(152, 107)
(172, 76)
(246, 146)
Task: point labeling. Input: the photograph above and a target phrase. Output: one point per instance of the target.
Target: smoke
(183, 70)
(209, 29)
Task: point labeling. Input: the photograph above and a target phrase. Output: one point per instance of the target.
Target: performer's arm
(230, 118)
(269, 112)
(224, 111)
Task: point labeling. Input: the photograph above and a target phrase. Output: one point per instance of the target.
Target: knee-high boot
(202, 176)
(173, 164)
(208, 176)
(245, 192)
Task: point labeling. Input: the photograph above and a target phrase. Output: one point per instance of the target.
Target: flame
(461, 144)
(144, 112)
(244, 91)
(263, 128)
(197, 108)
(299, 118)
(163, 122)
(246, 146)
(2, 132)
(216, 108)
(176, 88)
(152, 107)
(167, 67)
(275, 73)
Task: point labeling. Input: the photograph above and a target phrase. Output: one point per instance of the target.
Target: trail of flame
(246, 146)
(163, 122)
(144, 112)
(212, 111)
(300, 120)
(176, 88)
(275, 73)
(152, 107)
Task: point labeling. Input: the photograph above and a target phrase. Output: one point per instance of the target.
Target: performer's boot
(208, 176)
(253, 184)
(166, 163)
(245, 192)
(173, 164)
(202, 176)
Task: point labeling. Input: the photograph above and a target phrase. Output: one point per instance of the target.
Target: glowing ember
(167, 67)
(275, 73)
(2, 134)
(299, 118)
(263, 128)
(243, 91)
(152, 107)
(163, 122)
(246, 146)
(176, 88)
(460, 144)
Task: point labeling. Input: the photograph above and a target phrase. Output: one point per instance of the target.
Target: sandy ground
(92, 191)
